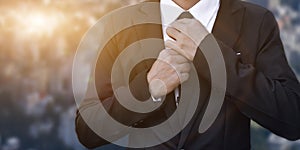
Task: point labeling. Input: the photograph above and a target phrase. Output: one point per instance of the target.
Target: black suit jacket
(261, 86)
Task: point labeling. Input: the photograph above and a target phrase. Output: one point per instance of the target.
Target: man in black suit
(260, 84)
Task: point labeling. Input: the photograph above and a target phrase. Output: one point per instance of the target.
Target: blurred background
(38, 40)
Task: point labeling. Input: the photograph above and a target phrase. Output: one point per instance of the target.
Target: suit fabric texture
(260, 84)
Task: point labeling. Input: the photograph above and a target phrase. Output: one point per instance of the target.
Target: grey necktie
(185, 14)
(171, 105)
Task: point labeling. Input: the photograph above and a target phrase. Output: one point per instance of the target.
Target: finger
(173, 59)
(167, 52)
(180, 25)
(158, 88)
(184, 77)
(176, 60)
(183, 25)
(173, 33)
(179, 59)
(153, 71)
(172, 45)
(176, 63)
(184, 68)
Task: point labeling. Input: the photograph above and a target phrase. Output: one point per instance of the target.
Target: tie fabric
(171, 105)
(185, 14)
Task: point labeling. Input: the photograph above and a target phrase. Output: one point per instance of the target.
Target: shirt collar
(202, 11)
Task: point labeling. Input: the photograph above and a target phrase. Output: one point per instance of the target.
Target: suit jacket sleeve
(267, 91)
(138, 86)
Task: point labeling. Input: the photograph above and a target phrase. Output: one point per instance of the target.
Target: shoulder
(254, 8)
(257, 13)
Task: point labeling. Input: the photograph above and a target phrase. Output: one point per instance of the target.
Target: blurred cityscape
(38, 41)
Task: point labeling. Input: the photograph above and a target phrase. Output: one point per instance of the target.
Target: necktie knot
(185, 14)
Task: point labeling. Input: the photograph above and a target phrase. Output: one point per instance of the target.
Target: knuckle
(187, 37)
(177, 68)
(168, 60)
(181, 43)
(182, 78)
(186, 67)
(186, 40)
(185, 29)
(168, 43)
(187, 76)
(162, 53)
(182, 36)
(189, 67)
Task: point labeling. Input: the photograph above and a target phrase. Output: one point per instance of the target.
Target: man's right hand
(168, 72)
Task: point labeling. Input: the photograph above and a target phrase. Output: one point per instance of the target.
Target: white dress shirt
(204, 11)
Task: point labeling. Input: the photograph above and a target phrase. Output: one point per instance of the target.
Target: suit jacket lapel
(229, 21)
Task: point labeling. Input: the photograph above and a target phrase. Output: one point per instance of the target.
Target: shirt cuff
(156, 99)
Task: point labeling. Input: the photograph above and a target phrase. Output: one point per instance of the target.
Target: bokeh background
(38, 40)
